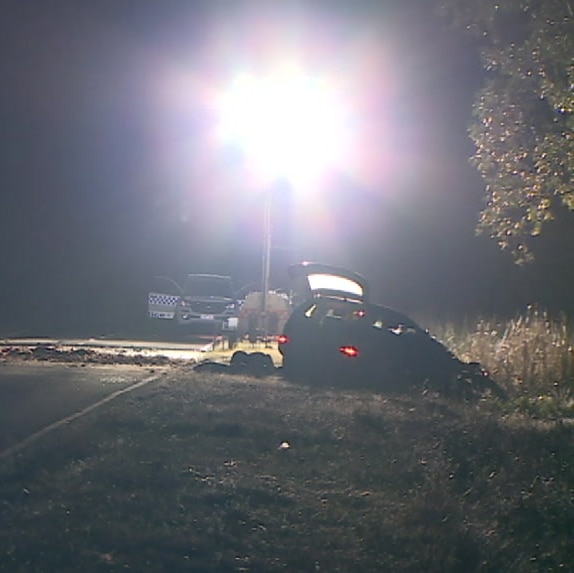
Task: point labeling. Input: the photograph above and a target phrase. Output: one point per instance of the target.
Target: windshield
(205, 286)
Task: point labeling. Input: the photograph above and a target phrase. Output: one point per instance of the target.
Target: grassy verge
(531, 356)
(214, 473)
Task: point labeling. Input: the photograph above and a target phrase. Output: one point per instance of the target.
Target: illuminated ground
(126, 351)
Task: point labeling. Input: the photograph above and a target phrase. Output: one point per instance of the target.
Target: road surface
(34, 396)
(44, 381)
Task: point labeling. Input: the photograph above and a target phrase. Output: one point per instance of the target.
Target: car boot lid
(317, 279)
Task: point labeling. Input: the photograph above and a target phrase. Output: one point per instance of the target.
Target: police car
(205, 303)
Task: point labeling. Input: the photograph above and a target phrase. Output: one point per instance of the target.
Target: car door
(163, 298)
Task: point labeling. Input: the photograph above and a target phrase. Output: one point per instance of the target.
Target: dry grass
(531, 355)
(218, 473)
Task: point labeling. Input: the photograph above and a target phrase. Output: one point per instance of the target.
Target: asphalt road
(33, 395)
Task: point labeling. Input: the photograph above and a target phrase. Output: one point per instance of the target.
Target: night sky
(109, 175)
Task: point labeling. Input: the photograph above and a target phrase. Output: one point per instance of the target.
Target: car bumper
(214, 322)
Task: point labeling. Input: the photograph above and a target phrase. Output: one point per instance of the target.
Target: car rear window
(334, 308)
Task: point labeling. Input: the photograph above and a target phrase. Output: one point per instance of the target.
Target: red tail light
(350, 351)
(283, 339)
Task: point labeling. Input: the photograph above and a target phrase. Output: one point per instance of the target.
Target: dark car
(336, 334)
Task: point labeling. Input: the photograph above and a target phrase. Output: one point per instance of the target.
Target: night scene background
(109, 174)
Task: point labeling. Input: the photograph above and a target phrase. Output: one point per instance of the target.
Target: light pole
(266, 260)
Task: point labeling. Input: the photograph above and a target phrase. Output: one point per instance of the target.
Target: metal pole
(266, 263)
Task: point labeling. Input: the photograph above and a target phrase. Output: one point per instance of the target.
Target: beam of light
(287, 124)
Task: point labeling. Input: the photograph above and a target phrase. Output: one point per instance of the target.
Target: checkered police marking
(161, 305)
(162, 299)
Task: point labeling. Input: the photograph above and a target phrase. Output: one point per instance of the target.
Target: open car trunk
(311, 280)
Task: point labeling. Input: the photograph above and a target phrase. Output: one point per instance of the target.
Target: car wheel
(295, 369)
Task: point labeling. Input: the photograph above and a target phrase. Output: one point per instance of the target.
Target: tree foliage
(523, 117)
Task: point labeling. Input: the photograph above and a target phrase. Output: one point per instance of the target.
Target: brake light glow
(350, 351)
(360, 313)
(283, 339)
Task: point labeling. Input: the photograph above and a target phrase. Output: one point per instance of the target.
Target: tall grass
(531, 354)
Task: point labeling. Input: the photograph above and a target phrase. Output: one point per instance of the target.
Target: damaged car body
(336, 334)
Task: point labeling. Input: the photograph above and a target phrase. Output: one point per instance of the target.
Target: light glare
(290, 125)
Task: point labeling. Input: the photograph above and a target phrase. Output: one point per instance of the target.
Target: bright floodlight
(287, 124)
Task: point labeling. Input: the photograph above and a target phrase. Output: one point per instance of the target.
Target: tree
(523, 117)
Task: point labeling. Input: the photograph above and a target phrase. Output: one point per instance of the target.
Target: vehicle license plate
(159, 314)
(206, 317)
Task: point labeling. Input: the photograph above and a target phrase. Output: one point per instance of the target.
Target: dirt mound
(52, 353)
